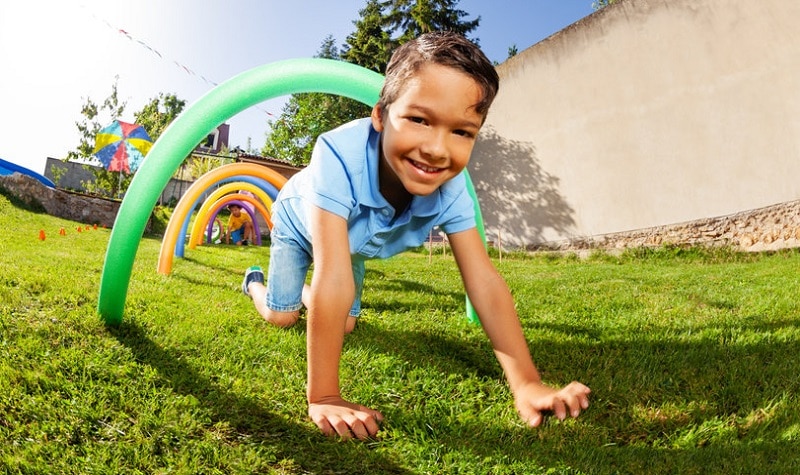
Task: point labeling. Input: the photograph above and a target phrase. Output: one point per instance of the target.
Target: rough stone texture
(764, 229)
(73, 206)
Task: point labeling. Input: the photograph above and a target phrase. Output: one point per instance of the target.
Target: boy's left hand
(533, 399)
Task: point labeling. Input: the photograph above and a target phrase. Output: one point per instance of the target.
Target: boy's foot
(244, 242)
(252, 274)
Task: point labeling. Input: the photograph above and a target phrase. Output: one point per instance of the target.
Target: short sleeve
(459, 214)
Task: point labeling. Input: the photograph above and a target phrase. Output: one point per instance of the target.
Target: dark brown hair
(444, 48)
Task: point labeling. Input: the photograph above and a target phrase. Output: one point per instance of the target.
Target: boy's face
(429, 131)
(236, 211)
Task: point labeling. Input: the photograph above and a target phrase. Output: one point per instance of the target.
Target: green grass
(692, 356)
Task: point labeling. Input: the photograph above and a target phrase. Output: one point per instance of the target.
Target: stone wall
(73, 175)
(764, 229)
(73, 206)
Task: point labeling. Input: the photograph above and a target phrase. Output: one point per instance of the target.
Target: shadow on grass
(659, 406)
(303, 445)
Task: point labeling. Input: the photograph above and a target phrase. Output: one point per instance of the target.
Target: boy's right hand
(335, 416)
(535, 399)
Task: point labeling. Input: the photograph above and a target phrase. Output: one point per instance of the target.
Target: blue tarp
(8, 168)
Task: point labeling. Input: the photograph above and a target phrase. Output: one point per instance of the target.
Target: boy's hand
(336, 416)
(535, 398)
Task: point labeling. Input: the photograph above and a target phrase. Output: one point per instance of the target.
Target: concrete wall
(644, 114)
(75, 174)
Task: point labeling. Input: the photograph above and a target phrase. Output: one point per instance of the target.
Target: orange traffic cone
(79, 229)
(41, 234)
(62, 232)
(95, 225)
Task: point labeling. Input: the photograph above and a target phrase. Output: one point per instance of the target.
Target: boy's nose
(434, 148)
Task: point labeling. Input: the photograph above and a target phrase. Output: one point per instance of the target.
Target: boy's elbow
(329, 295)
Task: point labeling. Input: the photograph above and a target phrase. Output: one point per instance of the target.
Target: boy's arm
(494, 304)
(332, 294)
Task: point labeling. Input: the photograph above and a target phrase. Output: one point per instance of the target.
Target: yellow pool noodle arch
(203, 215)
(186, 204)
(217, 205)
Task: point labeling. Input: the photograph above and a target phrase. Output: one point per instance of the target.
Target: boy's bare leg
(258, 292)
(249, 232)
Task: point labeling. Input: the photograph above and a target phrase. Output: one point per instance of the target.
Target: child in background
(375, 187)
(240, 226)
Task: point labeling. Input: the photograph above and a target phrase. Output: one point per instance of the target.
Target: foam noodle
(203, 216)
(178, 223)
(245, 90)
(271, 190)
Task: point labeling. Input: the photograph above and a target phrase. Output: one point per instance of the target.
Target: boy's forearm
(502, 326)
(324, 347)
(324, 343)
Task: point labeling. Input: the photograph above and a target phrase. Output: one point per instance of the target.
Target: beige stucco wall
(646, 113)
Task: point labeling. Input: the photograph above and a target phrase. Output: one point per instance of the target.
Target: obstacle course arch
(241, 200)
(188, 129)
(204, 215)
(179, 223)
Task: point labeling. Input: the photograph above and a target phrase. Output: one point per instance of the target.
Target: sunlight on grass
(691, 355)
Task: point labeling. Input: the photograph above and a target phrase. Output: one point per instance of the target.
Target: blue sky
(54, 55)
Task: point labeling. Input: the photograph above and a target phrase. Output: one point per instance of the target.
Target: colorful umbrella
(121, 146)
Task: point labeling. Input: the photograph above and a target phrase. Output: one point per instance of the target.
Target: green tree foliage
(412, 18)
(95, 117)
(370, 45)
(305, 116)
(598, 4)
(154, 116)
(157, 114)
(382, 26)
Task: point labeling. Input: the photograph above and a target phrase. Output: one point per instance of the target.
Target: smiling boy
(376, 187)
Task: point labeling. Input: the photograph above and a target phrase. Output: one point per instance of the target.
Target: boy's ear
(377, 118)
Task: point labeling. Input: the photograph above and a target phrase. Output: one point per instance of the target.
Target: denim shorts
(237, 234)
(288, 266)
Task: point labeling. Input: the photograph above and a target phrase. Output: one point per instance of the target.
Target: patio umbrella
(121, 146)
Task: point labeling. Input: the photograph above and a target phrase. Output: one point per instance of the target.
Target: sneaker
(252, 274)
(244, 242)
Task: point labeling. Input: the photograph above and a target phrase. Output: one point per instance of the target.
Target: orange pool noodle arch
(217, 205)
(185, 206)
(203, 215)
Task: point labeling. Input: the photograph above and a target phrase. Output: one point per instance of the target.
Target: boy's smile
(427, 133)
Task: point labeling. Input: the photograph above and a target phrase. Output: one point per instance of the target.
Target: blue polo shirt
(342, 178)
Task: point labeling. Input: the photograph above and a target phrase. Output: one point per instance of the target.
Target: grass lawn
(692, 356)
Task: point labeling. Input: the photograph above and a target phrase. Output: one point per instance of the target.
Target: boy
(240, 227)
(374, 188)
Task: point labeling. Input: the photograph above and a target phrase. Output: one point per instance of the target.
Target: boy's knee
(350, 325)
(282, 319)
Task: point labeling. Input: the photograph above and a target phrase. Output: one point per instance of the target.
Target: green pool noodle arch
(242, 91)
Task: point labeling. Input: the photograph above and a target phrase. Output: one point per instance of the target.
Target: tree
(157, 114)
(154, 116)
(370, 45)
(512, 51)
(111, 109)
(306, 116)
(412, 18)
(598, 4)
(96, 117)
